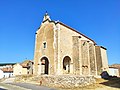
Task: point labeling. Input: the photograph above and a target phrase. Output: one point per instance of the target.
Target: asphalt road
(32, 86)
(9, 83)
(2, 89)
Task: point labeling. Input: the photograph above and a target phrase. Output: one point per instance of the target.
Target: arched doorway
(66, 64)
(44, 65)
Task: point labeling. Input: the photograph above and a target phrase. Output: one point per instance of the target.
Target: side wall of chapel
(71, 44)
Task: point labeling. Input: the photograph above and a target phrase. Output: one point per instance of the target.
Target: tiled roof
(115, 66)
(7, 69)
(4, 64)
(25, 64)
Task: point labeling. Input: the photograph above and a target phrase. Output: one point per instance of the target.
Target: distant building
(23, 68)
(6, 70)
(6, 65)
(60, 50)
(114, 69)
(1, 74)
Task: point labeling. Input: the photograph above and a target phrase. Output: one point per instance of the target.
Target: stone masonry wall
(58, 81)
(92, 59)
(64, 81)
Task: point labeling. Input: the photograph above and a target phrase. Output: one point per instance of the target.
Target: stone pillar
(95, 61)
(60, 64)
(85, 57)
(80, 58)
(98, 60)
(76, 63)
(56, 71)
(92, 59)
(88, 58)
(104, 58)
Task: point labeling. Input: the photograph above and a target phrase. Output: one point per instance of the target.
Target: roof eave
(56, 22)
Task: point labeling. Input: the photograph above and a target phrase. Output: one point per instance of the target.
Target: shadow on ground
(112, 82)
(2, 89)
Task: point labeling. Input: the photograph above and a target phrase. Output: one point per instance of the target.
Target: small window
(83, 43)
(44, 44)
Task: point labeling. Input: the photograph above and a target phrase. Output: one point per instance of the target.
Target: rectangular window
(44, 44)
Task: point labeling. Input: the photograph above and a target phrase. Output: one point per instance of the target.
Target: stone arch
(44, 65)
(66, 64)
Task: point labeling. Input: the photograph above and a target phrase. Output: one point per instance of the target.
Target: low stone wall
(59, 81)
(66, 81)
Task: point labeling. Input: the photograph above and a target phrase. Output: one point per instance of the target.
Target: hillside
(115, 65)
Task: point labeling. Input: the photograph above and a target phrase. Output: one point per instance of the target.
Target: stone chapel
(62, 50)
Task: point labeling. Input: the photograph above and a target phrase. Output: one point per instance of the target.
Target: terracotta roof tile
(25, 64)
(115, 66)
(7, 69)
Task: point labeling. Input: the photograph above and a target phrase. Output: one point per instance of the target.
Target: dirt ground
(101, 84)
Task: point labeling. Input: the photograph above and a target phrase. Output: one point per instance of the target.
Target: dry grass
(21, 78)
(2, 79)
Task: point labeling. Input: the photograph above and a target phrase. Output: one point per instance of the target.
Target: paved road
(9, 80)
(32, 86)
(2, 89)
(21, 86)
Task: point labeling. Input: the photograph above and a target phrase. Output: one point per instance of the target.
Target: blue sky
(19, 20)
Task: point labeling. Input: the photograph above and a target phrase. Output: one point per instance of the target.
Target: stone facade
(60, 50)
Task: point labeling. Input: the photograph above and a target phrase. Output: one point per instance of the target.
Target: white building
(1, 74)
(113, 71)
(6, 72)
